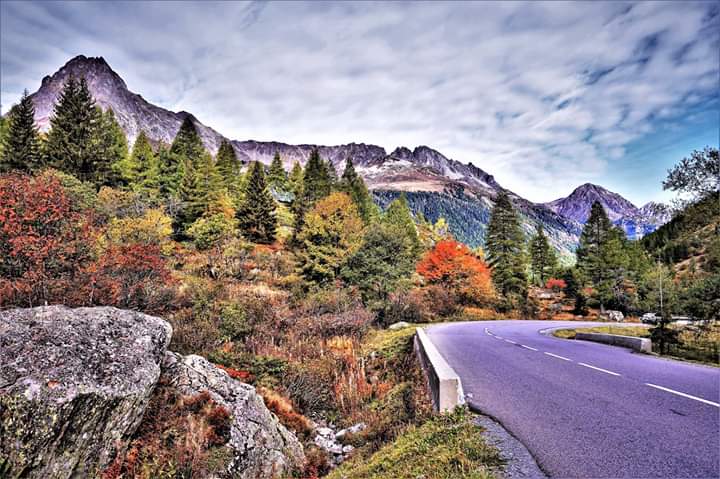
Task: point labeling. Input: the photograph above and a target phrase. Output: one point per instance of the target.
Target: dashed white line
(672, 391)
(528, 347)
(599, 369)
(511, 342)
(499, 337)
(558, 356)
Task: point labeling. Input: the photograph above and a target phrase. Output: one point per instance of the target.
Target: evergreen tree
(543, 260)
(505, 248)
(380, 265)
(228, 166)
(398, 217)
(316, 179)
(352, 184)
(277, 176)
(72, 144)
(192, 195)
(212, 183)
(112, 148)
(187, 142)
(256, 215)
(20, 142)
(295, 179)
(143, 171)
(590, 252)
(171, 172)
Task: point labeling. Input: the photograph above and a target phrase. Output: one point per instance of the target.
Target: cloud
(542, 95)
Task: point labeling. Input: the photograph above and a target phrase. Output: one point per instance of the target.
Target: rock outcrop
(74, 384)
(262, 447)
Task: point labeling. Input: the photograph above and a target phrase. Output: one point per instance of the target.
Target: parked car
(649, 318)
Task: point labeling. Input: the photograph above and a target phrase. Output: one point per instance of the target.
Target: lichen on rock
(74, 384)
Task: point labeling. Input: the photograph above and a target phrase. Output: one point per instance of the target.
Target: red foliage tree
(128, 276)
(454, 266)
(43, 242)
(555, 284)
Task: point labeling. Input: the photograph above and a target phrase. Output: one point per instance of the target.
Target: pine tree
(295, 179)
(352, 184)
(277, 176)
(316, 179)
(543, 260)
(505, 248)
(112, 149)
(143, 172)
(228, 166)
(256, 215)
(192, 195)
(399, 217)
(72, 144)
(187, 142)
(211, 182)
(594, 236)
(171, 172)
(21, 142)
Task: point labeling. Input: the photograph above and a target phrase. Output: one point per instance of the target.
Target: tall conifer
(505, 248)
(543, 260)
(352, 184)
(277, 176)
(21, 142)
(256, 215)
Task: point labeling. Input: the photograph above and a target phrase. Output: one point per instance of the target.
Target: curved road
(586, 409)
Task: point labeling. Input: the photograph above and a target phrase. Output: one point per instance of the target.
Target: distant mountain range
(435, 185)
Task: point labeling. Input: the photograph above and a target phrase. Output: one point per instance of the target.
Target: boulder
(399, 325)
(262, 447)
(74, 384)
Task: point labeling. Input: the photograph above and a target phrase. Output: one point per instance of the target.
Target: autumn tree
(505, 248)
(452, 265)
(333, 232)
(353, 184)
(256, 215)
(21, 142)
(43, 241)
(543, 260)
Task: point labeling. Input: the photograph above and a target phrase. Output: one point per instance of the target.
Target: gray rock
(262, 447)
(74, 384)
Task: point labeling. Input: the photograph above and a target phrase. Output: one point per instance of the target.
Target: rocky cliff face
(133, 112)
(74, 385)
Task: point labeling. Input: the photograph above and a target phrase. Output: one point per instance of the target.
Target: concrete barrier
(638, 344)
(445, 386)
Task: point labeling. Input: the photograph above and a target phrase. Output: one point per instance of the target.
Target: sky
(544, 96)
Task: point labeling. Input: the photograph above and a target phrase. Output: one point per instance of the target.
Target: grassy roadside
(635, 331)
(447, 446)
(691, 344)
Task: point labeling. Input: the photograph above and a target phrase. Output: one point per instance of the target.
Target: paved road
(586, 409)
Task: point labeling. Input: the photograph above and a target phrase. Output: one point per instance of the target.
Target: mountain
(636, 222)
(132, 111)
(436, 185)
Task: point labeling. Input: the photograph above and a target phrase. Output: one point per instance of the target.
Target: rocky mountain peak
(577, 205)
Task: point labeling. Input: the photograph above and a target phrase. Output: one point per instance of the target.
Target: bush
(402, 307)
(555, 284)
(208, 232)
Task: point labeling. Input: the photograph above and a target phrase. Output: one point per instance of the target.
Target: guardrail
(445, 386)
(643, 345)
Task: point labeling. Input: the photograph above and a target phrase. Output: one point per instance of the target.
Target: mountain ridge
(420, 170)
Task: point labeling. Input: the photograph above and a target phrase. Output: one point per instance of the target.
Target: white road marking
(498, 337)
(528, 347)
(598, 369)
(559, 357)
(511, 342)
(672, 391)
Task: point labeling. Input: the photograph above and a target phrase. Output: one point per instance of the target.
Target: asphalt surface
(585, 409)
